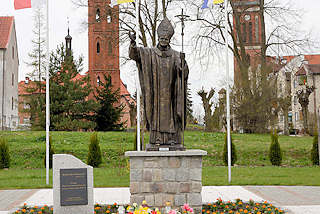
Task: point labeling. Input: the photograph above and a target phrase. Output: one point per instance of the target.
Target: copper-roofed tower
(103, 22)
(68, 39)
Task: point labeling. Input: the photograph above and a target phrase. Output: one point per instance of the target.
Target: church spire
(68, 41)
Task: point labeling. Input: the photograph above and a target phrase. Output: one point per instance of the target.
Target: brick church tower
(250, 26)
(103, 41)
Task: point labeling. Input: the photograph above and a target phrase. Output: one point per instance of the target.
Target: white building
(297, 73)
(9, 63)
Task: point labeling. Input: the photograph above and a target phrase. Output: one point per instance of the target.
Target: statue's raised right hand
(132, 36)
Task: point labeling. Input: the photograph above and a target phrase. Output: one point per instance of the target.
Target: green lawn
(211, 176)
(253, 167)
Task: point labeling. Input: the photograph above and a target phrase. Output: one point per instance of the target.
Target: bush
(225, 151)
(315, 151)
(51, 153)
(4, 154)
(94, 154)
(275, 154)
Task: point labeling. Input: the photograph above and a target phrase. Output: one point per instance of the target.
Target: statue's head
(165, 32)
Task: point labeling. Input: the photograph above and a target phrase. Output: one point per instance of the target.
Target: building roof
(301, 71)
(25, 87)
(315, 69)
(6, 23)
(125, 93)
(312, 59)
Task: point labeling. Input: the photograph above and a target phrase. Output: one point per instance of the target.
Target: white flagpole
(138, 82)
(228, 99)
(47, 100)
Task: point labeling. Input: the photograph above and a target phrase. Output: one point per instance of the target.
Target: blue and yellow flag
(209, 3)
(115, 2)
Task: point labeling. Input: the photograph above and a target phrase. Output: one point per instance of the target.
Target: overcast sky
(200, 76)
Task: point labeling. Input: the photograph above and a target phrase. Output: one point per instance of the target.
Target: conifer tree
(275, 154)
(94, 154)
(315, 150)
(4, 153)
(225, 151)
(189, 110)
(70, 108)
(107, 116)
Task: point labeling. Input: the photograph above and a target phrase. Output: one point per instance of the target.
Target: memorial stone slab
(72, 185)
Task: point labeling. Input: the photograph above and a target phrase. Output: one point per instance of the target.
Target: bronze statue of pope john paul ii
(163, 75)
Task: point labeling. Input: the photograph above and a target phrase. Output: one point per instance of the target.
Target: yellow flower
(245, 211)
(23, 210)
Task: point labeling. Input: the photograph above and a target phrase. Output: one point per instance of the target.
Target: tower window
(98, 81)
(98, 19)
(109, 17)
(109, 48)
(250, 32)
(244, 33)
(11, 103)
(12, 52)
(98, 47)
(257, 28)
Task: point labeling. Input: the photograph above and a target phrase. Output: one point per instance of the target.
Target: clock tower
(103, 30)
(249, 15)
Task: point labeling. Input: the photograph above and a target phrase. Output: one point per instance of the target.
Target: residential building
(9, 63)
(297, 73)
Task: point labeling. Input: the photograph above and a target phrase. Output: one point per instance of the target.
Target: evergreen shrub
(4, 154)
(275, 154)
(225, 151)
(94, 154)
(51, 153)
(315, 150)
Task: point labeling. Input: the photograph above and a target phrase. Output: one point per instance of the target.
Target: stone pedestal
(72, 185)
(161, 176)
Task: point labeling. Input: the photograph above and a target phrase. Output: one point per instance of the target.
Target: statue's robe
(164, 97)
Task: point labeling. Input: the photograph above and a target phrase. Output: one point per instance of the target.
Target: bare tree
(303, 99)
(207, 105)
(37, 55)
(254, 98)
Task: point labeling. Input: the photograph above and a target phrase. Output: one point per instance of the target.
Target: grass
(211, 176)
(253, 167)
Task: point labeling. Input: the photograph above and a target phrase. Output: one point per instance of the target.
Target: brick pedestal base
(162, 176)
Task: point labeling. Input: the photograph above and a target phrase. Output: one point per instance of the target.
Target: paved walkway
(294, 199)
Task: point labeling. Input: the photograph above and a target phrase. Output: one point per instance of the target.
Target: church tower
(103, 30)
(251, 30)
(68, 39)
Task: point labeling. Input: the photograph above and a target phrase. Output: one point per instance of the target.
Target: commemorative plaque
(73, 187)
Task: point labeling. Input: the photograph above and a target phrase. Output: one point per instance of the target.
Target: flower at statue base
(172, 212)
(187, 209)
(143, 209)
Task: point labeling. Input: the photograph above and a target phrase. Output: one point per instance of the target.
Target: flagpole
(138, 82)
(228, 99)
(47, 100)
